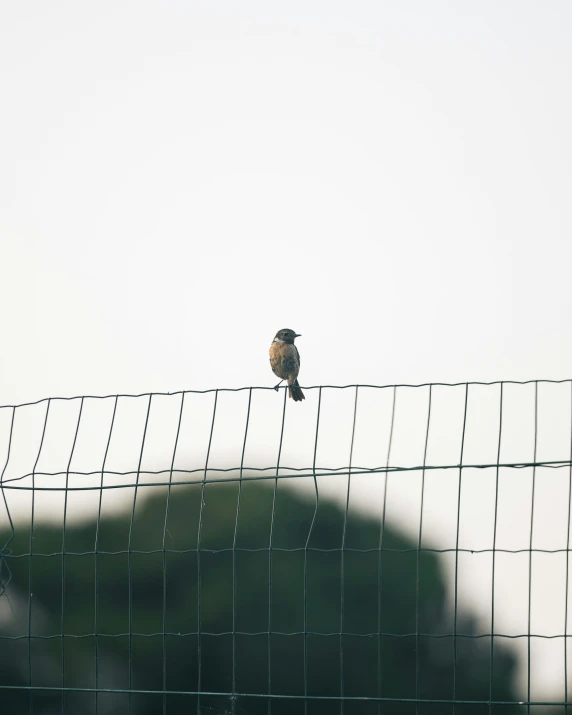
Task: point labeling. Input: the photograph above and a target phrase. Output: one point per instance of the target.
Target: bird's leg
(278, 385)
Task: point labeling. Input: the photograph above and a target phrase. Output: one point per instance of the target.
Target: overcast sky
(179, 180)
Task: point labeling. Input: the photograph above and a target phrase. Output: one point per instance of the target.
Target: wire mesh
(378, 549)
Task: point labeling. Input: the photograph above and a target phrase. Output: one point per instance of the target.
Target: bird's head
(286, 336)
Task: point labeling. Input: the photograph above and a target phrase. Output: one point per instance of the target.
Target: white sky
(180, 180)
(392, 180)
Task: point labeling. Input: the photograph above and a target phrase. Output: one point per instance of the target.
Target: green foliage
(144, 581)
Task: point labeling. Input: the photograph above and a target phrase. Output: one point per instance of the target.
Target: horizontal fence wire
(279, 582)
(436, 701)
(218, 390)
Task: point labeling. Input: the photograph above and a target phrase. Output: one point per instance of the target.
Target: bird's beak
(298, 335)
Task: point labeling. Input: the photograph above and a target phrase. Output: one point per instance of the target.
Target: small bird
(285, 362)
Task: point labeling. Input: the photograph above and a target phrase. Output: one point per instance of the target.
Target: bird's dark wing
(297, 354)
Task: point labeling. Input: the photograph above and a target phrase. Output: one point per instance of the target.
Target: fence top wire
(306, 387)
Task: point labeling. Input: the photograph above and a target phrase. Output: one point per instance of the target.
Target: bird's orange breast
(278, 351)
(284, 360)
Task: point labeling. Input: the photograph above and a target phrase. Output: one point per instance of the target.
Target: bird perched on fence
(285, 362)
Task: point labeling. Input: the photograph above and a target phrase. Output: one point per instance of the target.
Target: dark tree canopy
(412, 598)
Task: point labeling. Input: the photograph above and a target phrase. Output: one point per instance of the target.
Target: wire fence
(377, 549)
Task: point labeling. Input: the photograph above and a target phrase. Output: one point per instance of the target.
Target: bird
(285, 362)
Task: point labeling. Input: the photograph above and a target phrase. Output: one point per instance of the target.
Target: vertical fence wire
(199, 542)
(494, 553)
(4, 568)
(343, 555)
(129, 557)
(380, 556)
(96, 557)
(456, 597)
(418, 554)
(567, 568)
(31, 550)
(270, 547)
(528, 689)
(66, 493)
(164, 549)
(234, 538)
(306, 545)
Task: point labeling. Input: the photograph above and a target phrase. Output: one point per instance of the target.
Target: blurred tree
(322, 590)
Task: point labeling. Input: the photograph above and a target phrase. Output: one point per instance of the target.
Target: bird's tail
(295, 392)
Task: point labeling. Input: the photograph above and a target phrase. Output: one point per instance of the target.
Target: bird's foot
(278, 385)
